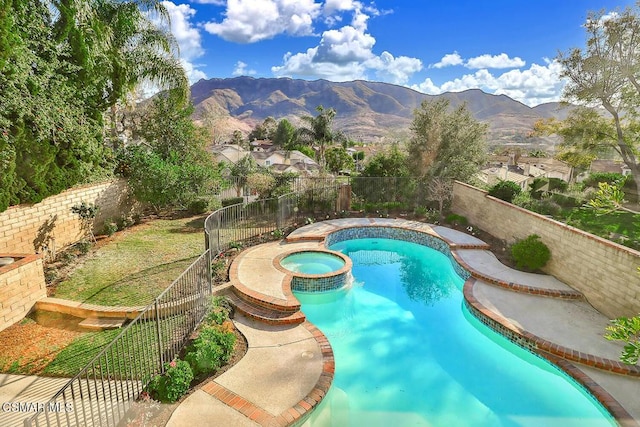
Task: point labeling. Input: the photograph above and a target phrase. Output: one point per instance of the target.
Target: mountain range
(366, 111)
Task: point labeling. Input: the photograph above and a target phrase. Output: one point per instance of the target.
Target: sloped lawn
(137, 264)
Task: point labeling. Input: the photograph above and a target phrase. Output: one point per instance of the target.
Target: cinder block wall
(50, 224)
(605, 272)
(21, 285)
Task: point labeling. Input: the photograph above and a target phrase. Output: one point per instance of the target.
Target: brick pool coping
(301, 410)
(555, 353)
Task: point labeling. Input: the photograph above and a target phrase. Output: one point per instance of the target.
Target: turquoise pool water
(312, 262)
(408, 352)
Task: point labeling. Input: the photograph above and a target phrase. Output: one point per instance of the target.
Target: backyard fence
(104, 390)
(305, 197)
(245, 221)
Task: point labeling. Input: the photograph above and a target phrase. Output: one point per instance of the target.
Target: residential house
(277, 160)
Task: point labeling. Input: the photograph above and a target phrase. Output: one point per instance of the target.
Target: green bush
(565, 200)
(530, 253)
(545, 207)
(110, 227)
(542, 185)
(83, 246)
(456, 219)
(210, 350)
(505, 190)
(609, 177)
(198, 206)
(173, 384)
(232, 201)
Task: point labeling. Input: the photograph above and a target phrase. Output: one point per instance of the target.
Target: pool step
(266, 315)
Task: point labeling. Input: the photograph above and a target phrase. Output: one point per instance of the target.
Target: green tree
(241, 170)
(285, 135)
(117, 45)
(391, 163)
(171, 169)
(238, 139)
(167, 127)
(606, 73)
(446, 143)
(48, 139)
(337, 159)
(318, 131)
(264, 131)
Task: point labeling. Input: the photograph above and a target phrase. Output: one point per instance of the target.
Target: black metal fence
(104, 390)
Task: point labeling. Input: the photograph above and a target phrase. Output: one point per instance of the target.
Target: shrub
(530, 253)
(174, 383)
(210, 350)
(83, 246)
(545, 207)
(456, 219)
(110, 227)
(198, 206)
(232, 201)
(505, 190)
(609, 177)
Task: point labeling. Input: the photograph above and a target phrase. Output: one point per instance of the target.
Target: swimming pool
(408, 352)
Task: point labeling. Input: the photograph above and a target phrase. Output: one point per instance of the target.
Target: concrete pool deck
(289, 364)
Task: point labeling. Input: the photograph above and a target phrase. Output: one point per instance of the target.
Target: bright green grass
(136, 353)
(622, 227)
(137, 265)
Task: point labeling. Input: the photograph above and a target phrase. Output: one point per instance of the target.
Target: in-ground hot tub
(315, 271)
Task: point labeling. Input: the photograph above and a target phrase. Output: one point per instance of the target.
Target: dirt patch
(27, 347)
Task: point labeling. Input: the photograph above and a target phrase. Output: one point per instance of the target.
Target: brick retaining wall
(21, 285)
(50, 224)
(605, 272)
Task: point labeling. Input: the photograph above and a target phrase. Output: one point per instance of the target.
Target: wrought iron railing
(102, 392)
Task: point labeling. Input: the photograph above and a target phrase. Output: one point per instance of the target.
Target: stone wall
(605, 272)
(21, 285)
(50, 225)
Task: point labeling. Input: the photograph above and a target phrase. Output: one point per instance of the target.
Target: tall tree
(265, 130)
(319, 131)
(606, 73)
(285, 135)
(116, 46)
(446, 143)
(391, 163)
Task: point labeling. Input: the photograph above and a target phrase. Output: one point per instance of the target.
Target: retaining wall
(21, 285)
(49, 225)
(605, 272)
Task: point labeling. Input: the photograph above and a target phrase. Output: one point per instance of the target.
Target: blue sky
(500, 46)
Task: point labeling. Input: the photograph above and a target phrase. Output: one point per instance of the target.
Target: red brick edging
(558, 355)
(300, 411)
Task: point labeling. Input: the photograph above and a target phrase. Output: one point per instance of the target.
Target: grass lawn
(137, 264)
(621, 227)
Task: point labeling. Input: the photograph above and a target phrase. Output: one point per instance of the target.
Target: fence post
(159, 336)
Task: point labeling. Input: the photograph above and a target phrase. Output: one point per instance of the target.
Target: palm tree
(319, 131)
(117, 46)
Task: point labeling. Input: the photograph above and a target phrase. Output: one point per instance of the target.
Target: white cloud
(536, 85)
(187, 36)
(241, 70)
(494, 61)
(249, 21)
(346, 53)
(394, 70)
(450, 59)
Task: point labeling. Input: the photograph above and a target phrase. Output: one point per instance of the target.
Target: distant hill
(366, 111)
